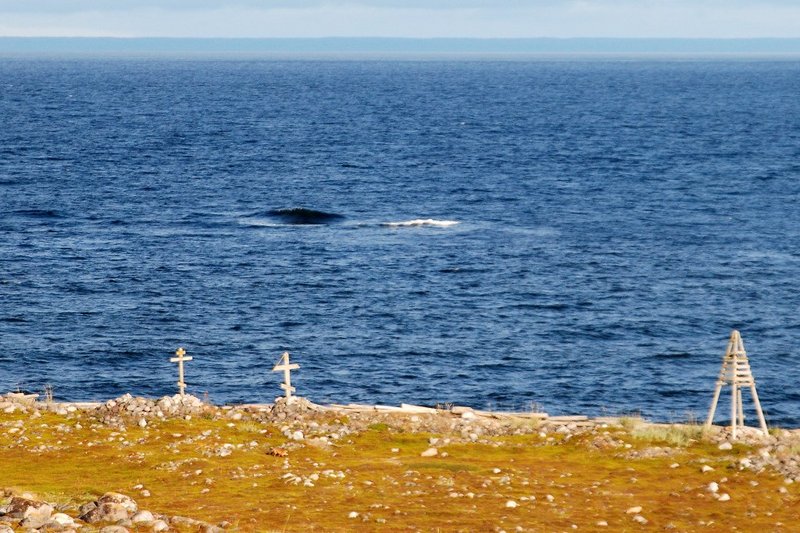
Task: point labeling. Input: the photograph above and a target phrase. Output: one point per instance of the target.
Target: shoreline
(138, 464)
(13, 400)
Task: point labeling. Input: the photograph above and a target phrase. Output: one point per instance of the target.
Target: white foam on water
(418, 222)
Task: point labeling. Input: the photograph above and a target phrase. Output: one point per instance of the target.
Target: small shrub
(673, 435)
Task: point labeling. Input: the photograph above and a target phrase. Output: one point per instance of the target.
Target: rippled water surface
(581, 235)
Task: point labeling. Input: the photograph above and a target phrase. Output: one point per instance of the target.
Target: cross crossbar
(286, 367)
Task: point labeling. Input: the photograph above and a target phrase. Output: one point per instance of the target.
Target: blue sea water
(616, 218)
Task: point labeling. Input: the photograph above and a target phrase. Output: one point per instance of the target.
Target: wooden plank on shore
(568, 418)
(353, 407)
(501, 414)
(409, 408)
(392, 408)
(536, 416)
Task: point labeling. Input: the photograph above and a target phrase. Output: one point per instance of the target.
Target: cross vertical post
(180, 360)
(287, 367)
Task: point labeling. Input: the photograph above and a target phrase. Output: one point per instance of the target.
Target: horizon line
(402, 45)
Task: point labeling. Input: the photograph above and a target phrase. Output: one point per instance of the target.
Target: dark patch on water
(673, 355)
(39, 213)
(302, 216)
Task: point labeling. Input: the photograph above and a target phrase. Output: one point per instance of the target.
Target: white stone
(496, 470)
(467, 415)
(159, 525)
(713, 487)
(142, 423)
(724, 497)
(674, 465)
(298, 435)
(549, 498)
(430, 452)
(511, 504)
(601, 523)
(726, 446)
(706, 468)
(352, 514)
(62, 519)
(142, 516)
(640, 519)
(634, 510)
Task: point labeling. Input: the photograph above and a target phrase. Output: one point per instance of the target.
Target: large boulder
(20, 507)
(36, 517)
(110, 507)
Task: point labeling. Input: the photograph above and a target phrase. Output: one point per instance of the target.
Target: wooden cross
(736, 373)
(180, 360)
(283, 364)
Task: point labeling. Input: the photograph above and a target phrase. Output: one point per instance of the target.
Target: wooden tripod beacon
(736, 373)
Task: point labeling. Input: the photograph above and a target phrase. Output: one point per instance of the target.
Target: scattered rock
(110, 507)
(62, 519)
(115, 529)
(159, 525)
(430, 452)
(36, 517)
(142, 516)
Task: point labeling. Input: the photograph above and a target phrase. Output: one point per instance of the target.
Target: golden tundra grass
(399, 491)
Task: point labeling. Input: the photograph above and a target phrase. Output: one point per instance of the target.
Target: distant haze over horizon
(402, 18)
(363, 45)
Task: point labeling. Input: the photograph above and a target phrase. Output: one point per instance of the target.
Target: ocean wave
(419, 222)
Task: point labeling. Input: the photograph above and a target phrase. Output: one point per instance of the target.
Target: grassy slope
(409, 492)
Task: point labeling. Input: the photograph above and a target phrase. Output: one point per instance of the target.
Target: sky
(401, 18)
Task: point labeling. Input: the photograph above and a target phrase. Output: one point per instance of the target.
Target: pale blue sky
(396, 18)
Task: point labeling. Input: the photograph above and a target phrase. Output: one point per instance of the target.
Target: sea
(574, 235)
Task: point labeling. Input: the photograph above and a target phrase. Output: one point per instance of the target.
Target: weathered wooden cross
(283, 364)
(180, 360)
(736, 373)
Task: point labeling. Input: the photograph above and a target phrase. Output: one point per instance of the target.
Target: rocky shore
(154, 433)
